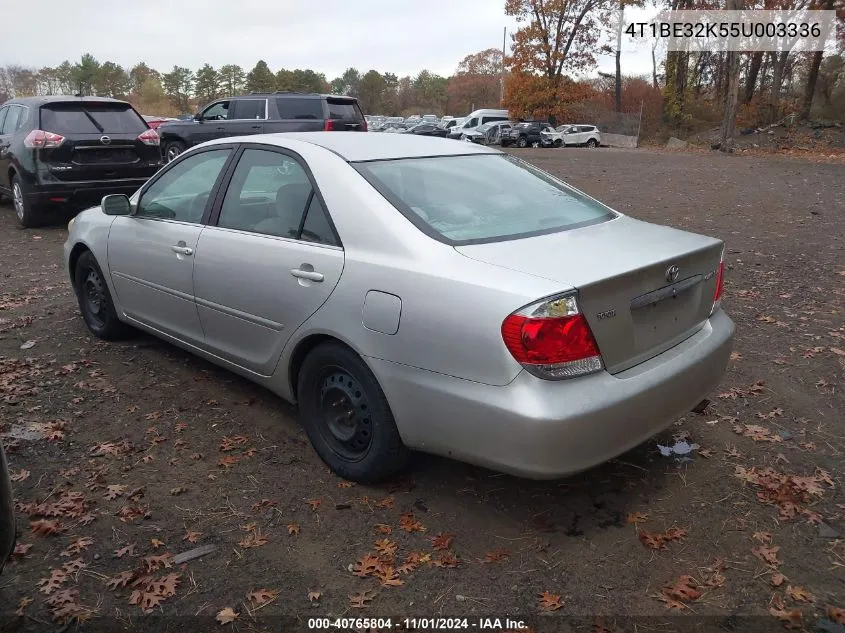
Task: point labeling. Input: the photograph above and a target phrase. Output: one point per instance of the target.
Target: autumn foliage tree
(477, 82)
(555, 37)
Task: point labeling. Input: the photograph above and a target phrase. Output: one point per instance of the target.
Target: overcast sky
(399, 36)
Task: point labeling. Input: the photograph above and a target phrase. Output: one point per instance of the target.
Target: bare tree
(732, 100)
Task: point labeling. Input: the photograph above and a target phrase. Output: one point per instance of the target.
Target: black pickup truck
(260, 114)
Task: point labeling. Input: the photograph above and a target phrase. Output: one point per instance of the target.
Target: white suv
(587, 135)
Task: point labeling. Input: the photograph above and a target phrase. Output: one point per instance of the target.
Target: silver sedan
(413, 293)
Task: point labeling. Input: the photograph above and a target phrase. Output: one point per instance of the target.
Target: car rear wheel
(522, 142)
(95, 300)
(558, 142)
(27, 214)
(172, 149)
(592, 143)
(347, 417)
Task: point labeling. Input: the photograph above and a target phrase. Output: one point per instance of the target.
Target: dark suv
(71, 151)
(262, 114)
(525, 134)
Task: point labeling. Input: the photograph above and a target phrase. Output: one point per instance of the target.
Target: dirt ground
(128, 454)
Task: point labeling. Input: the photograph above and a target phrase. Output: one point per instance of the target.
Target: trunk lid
(636, 306)
(101, 141)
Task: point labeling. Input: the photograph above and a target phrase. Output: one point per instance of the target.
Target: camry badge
(672, 273)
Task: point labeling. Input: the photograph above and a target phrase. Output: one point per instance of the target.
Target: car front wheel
(95, 300)
(522, 142)
(347, 417)
(592, 143)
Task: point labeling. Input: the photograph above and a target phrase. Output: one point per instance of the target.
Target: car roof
(361, 146)
(61, 99)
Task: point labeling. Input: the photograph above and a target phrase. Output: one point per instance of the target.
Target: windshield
(481, 198)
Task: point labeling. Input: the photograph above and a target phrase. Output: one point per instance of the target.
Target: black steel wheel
(95, 300)
(346, 415)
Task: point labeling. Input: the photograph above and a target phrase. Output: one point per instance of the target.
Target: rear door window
(13, 118)
(91, 118)
(249, 109)
(300, 108)
(344, 109)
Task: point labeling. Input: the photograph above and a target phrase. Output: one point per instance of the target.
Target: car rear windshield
(345, 109)
(481, 198)
(91, 118)
(300, 108)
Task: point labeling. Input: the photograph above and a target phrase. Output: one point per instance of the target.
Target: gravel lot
(137, 431)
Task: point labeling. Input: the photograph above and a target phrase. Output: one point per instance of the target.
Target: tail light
(39, 139)
(149, 137)
(552, 339)
(329, 127)
(720, 285)
(364, 127)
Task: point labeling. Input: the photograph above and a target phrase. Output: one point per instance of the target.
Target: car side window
(243, 109)
(268, 194)
(3, 112)
(216, 111)
(13, 116)
(183, 191)
(317, 228)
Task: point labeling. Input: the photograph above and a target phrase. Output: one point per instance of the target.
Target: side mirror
(116, 204)
(198, 117)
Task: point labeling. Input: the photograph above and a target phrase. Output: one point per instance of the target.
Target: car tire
(558, 143)
(346, 416)
(172, 149)
(504, 143)
(27, 214)
(592, 143)
(522, 142)
(95, 300)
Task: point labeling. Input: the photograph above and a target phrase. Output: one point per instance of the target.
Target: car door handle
(256, 127)
(182, 250)
(310, 275)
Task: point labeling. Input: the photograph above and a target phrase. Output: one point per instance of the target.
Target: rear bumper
(84, 193)
(544, 429)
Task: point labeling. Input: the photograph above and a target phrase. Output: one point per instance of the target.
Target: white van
(476, 118)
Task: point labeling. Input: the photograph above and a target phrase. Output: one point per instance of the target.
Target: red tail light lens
(329, 127)
(150, 137)
(39, 139)
(364, 127)
(552, 339)
(720, 282)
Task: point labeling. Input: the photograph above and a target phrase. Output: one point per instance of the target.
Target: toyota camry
(412, 293)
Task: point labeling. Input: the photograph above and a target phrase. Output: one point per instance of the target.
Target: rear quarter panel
(452, 307)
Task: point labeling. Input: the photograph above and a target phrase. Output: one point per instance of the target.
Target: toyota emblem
(105, 140)
(672, 273)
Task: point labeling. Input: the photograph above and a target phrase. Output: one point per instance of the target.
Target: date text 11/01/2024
(418, 624)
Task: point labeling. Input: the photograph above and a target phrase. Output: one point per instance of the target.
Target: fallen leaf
(651, 540)
(837, 351)
(77, 545)
(156, 543)
(496, 555)
(263, 596)
(19, 476)
(408, 523)
(799, 594)
(22, 605)
(386, 547)
(768, 555)
(254, 539)
(293, 529)
(227, 615)
(386, 503)
(835, 613)
(361, 600)
(44, 527)
(314, 503)
(191, 537)
(550, 601)
(366, 565)
(637, 517)
(441, 541)
(777, 579)
(313, 595)
(382, 528)
(126, 550)
(178, 491)
(345, 484)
